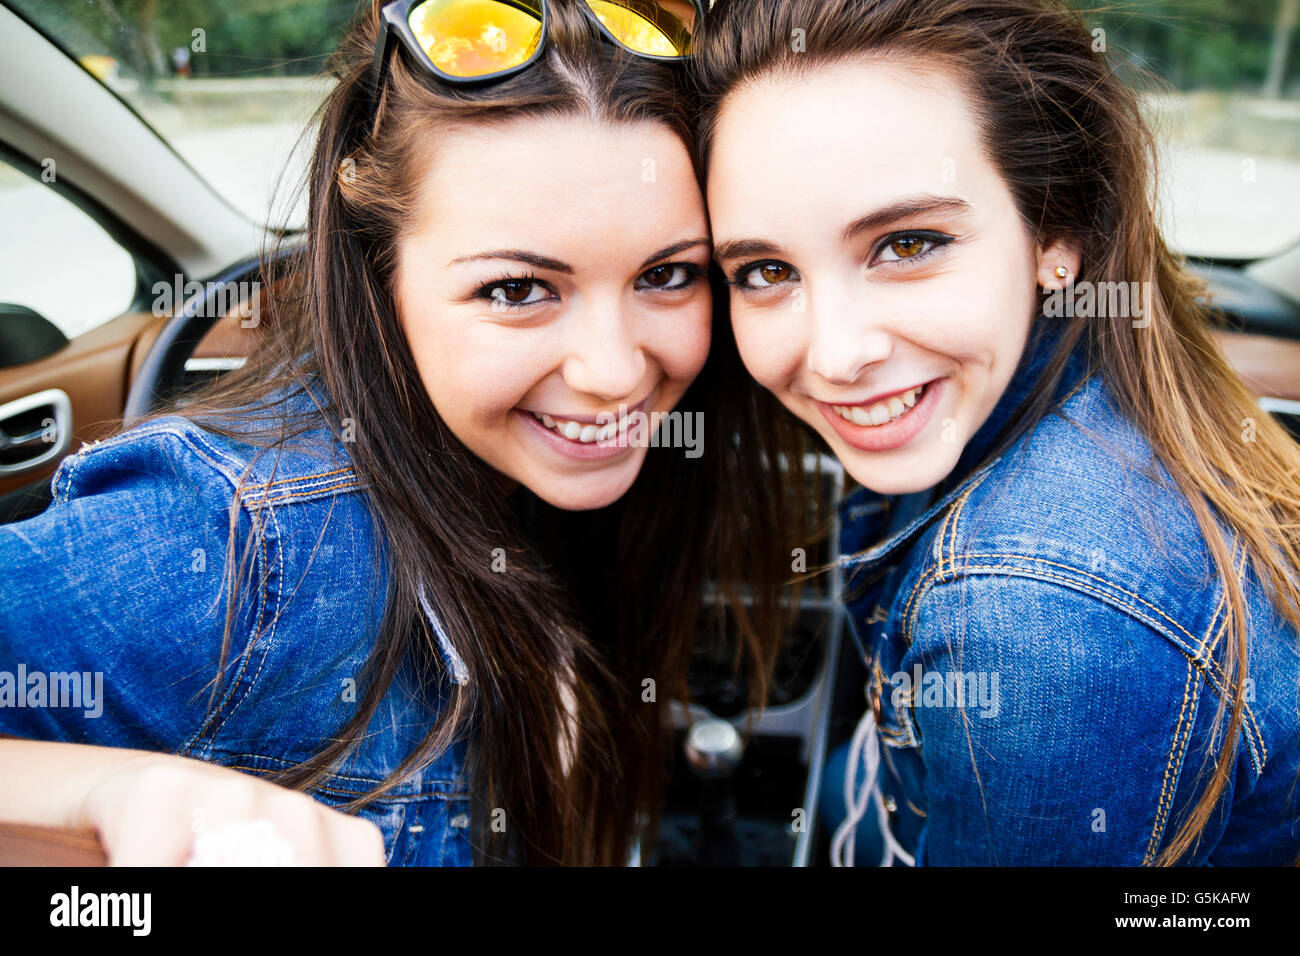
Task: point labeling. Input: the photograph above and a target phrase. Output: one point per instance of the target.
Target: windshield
(231, 85)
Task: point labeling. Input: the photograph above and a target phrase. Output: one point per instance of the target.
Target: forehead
(843, 138)
(540, 182)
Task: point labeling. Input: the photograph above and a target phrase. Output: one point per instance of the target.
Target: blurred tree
(1200, 44)
(1193, 44)
(1286, 20)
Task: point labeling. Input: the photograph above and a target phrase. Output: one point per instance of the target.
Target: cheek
(682, 341)
(771, 346)
(473, 376)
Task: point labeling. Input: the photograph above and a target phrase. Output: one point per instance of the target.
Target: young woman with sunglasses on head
(440, 577)
(1073, 561)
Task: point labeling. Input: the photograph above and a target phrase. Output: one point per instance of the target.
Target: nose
(844, 335)
(606, 357)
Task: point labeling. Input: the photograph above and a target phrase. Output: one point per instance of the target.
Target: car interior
(745, 786)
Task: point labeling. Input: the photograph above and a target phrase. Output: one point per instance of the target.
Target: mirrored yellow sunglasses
(475, 41)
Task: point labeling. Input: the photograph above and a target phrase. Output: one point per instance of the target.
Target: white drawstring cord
(866, 743)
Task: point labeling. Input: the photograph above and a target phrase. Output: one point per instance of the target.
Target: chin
(886, 479)
(586, 493)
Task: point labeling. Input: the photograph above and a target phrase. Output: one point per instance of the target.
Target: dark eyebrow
(916, 205)
(676, 247)
(912, 206)
(518, 255)
(745, 249)
(555, 265)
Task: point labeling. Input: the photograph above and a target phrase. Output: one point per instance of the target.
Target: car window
(231, 85)
(1227, 117)
(58, 261)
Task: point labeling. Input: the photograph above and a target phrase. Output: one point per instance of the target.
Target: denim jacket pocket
(423, 824)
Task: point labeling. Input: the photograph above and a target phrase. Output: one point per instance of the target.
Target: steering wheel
(163, 369)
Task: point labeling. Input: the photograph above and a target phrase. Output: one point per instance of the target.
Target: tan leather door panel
(1270, 367)
(92, 369)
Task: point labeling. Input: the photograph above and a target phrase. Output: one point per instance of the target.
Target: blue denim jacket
(121, 583)
(1042, 638)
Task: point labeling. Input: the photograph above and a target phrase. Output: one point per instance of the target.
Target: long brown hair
(442, 513)
(1068, 137)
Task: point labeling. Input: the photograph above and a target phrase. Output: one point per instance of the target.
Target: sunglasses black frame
(394, 24)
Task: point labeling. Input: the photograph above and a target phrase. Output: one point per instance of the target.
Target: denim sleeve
(1066, 747)
(114, 597)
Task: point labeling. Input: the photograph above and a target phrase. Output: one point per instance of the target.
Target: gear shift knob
(713, 749)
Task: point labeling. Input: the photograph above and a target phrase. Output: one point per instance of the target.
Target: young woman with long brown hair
(1073, 560)
(442, 586)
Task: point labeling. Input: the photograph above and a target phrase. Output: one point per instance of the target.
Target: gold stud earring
(1062, 272)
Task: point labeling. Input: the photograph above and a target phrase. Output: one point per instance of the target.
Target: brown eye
(509, 293)
(764, 276)
(659, 276)
(907, 247)
(515, 291)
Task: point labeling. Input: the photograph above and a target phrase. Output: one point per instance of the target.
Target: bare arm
(148, 808)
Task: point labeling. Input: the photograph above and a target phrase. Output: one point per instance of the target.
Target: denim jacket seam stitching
(269, 639)
(939, 537)
(217, 721)
(290, 481)
(904, 735)
(1208, 646)
(198, 436)
(252, 492)
(205, 453)
(126, 437)
(454, 786)
(299, 495)
(449, 792)
(912, 601)
(956, 522)
(78, 458)
(1209, 667)
(274, 491)
(397, 838)
(207, 724)
(1258, 759)
(1173, 763)
(1218, 677)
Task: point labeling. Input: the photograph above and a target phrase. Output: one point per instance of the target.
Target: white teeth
(582, 432)
(878, 414)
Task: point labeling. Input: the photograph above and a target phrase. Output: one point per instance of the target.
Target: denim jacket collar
(916, 511)
(314, 393)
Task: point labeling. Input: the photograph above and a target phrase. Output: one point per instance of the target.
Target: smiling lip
(890, 435)
(881, 397)
(593, 419)
(594, 451)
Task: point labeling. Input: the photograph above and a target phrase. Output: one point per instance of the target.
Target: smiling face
(882, 281)
(554, 279)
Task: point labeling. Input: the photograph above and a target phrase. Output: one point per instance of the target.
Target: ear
(1060, 255)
